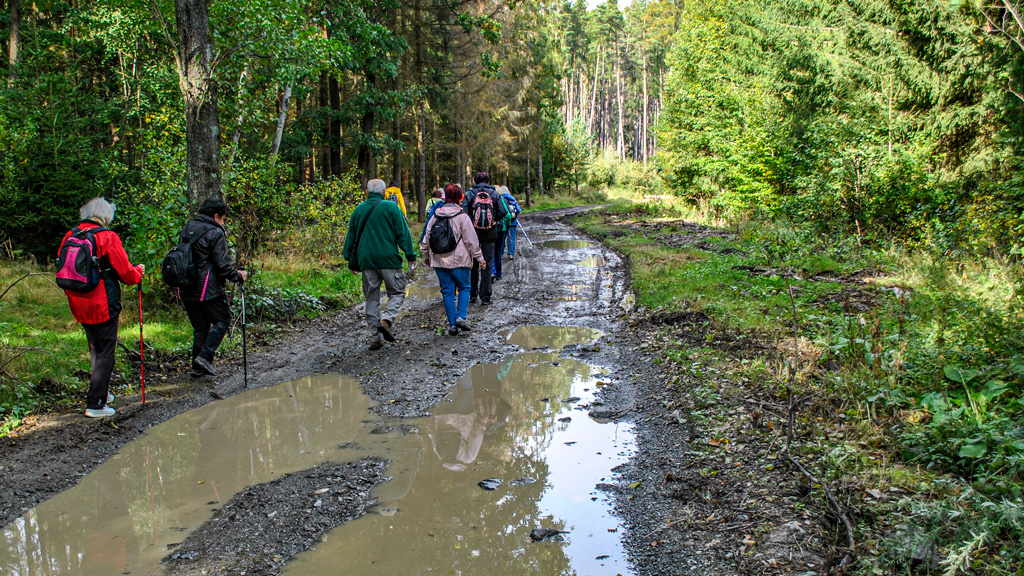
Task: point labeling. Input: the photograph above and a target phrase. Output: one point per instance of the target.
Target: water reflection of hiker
(377, 231)
(486, 209)
(458, 430)
(99, 308)
(205, 300)
(452, 266)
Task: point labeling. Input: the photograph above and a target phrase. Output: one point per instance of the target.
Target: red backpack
(483, 211)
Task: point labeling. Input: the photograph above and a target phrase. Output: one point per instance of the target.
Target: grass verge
(44, 357)
(905, 371)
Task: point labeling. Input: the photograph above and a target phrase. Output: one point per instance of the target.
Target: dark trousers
(499, 247)
(210, 321)
(102, 342)
(480, 280)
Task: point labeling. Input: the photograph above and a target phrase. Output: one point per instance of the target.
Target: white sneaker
(99, 412)
(110, 398)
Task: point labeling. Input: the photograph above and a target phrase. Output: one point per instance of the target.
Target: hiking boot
(485, 302)
(203, 366)
(99, 412)
(376, 344)
(472, 299)
(110, 398)
(453, 331)
(196, 373)
(463, 325)
(385, 330)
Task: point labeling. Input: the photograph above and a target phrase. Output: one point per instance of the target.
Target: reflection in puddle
(576, 292)
(566, 244)
(504, 421)
(593, 261)
(557, 337)
(508, 421)
(124, 515)
(415, 290)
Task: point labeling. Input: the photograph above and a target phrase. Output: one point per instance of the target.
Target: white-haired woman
(98, 308)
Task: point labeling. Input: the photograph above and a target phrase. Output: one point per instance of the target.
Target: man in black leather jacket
(205, 301)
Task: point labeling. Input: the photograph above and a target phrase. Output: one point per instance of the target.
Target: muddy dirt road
(547, 416)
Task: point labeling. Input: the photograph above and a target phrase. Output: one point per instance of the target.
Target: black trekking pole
(245, 360)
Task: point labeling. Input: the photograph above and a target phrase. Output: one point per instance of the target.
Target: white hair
(98, 209)
(504, 190)
(375, 186)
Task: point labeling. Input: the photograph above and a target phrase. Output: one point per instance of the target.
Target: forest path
(557, 279)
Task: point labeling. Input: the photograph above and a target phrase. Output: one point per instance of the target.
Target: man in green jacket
(376, 233)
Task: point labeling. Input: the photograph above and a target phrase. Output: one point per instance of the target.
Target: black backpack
(78, 266)
(178, 268)
(483, 211)
(442, 235)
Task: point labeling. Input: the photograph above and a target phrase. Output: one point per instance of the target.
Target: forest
(884, 134)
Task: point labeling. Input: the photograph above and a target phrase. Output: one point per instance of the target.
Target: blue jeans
(454, 280)
(511, 240)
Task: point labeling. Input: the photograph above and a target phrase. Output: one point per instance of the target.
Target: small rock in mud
(566, 419)
(522, 481)
(542, 534)
(490, 483)
(571, 399)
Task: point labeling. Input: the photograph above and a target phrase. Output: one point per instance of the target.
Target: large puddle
(521, 421)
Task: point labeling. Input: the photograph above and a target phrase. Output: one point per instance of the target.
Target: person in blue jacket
(508, 235)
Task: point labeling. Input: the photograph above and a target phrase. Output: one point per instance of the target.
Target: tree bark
(335, 141)
(281, 119)
(644, 129)
(15, 42)
(199, 90)
(540, 171)
(364, 158)
(527, 172)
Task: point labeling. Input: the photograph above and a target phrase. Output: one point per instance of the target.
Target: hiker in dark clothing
(481, 199)
(205, 300)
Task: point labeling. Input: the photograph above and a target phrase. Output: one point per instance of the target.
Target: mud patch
(264, 526)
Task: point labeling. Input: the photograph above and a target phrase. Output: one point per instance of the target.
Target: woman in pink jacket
(456, 247)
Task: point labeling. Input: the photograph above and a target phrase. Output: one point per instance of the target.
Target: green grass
(953, 448)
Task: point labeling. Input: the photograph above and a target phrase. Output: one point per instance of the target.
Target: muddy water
(123, 516)
(523, 423)
(566, 244)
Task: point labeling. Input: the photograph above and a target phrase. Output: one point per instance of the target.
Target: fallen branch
(20, 279)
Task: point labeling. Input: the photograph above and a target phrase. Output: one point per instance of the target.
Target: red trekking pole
(142, 350)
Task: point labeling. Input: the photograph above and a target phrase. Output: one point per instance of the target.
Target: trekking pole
(142, 348)
(245, 360)
(525, 235)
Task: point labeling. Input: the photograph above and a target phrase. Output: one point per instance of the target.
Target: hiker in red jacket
(98, 309)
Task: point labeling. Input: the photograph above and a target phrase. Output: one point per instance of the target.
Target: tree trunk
(621, 143)
(281, 119)
(540, 171)
(644, 126)
(421, 162)
(15, 42)
(527, 172)
(238, 123)
(364, 158)
(195, 78)
(335, 141)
